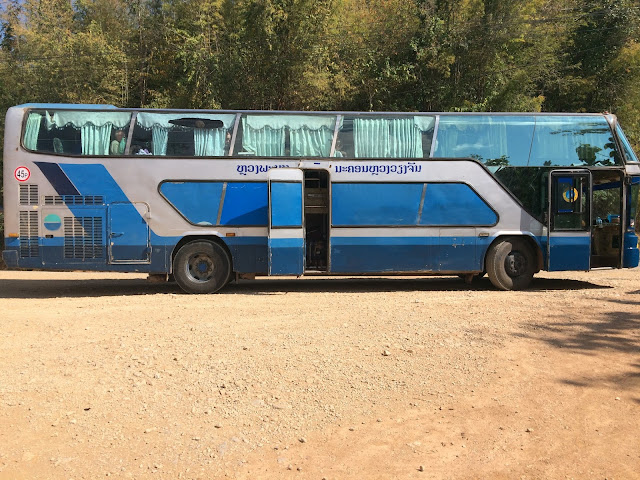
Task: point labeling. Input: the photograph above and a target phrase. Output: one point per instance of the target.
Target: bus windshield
(628, 151)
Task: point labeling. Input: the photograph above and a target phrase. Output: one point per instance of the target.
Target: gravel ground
(110, 375)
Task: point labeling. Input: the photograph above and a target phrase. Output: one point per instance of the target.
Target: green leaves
(429, 55)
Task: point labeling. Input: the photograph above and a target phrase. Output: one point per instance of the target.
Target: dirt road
(108, 375)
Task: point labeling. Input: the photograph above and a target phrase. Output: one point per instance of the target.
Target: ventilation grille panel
(29, 234)
(83, 237)
(28, 194)
(73, 200)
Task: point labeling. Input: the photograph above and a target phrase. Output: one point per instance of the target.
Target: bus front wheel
(510, 264)
(201, 267)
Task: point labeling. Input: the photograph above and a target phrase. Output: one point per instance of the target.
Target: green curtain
(406, 139)
(311, 143)
(32, 130)
(387, 138)
(371, 137)
(159, 137)
(95, 140)
(209, 142)
(263, 142)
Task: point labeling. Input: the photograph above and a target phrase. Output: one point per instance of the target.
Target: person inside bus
(118, 144)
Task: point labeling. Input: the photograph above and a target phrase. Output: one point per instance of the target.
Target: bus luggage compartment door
(129, 233)
(569, 220)
(286, 228)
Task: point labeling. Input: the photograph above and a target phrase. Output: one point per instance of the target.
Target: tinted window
(376, 203)
(573, 141)
(182, 134)
(455, 204)
(452, 204)
(494, 140)
(76, 132)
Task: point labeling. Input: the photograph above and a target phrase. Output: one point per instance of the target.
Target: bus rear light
(14, 235)
(230, 234)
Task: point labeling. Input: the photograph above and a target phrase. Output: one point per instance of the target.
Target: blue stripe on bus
(348, 254)
(249, 254)
(11, 242)
(409, 254)
(57, 178)
(383, 254)
(94, 180)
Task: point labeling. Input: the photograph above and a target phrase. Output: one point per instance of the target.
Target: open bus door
(569, 220)
(286, 227)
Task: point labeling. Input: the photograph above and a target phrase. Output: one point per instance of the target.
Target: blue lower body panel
(631, 252)
(10, 258)
(382, 254)
(404, 254)
(286, 256)
(249, 254)
(569, 253)
(458, 254)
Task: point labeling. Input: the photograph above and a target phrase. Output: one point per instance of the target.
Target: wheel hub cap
(200, 267)
(515, 264)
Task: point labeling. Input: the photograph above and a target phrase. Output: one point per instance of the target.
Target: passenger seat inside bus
(57, 145)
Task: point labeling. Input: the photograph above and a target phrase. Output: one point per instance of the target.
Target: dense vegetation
(428, 55)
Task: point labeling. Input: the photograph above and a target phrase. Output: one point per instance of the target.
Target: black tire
(201, 267)
(510, 264)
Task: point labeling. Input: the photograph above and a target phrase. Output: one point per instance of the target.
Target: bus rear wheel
(510, 264)
(201, 267)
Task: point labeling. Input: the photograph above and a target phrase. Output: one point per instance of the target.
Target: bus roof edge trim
(70, 106)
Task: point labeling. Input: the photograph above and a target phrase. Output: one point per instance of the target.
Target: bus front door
(286, 241)
(569, 220)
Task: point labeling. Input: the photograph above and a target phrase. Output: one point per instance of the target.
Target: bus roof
(75, 106)
(66, 106)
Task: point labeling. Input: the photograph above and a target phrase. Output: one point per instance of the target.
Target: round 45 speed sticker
(22, 174)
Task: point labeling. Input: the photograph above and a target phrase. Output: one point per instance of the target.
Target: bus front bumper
(10, 258)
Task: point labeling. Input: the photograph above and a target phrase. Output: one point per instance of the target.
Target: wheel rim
(515, 264)
(200, 267)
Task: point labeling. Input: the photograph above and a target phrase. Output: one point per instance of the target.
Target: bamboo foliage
(478, 55)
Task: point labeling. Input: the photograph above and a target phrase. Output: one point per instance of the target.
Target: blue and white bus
(207, 197)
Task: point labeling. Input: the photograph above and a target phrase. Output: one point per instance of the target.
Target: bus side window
(344, 143)
(385, 136)
(182, 134)
(285, 135)
(73, 132)
(141, 140)
(573, 140)
(495, 140)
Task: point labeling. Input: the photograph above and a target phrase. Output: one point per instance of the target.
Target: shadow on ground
(615, 334)
(614, 331)
(54, 288)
